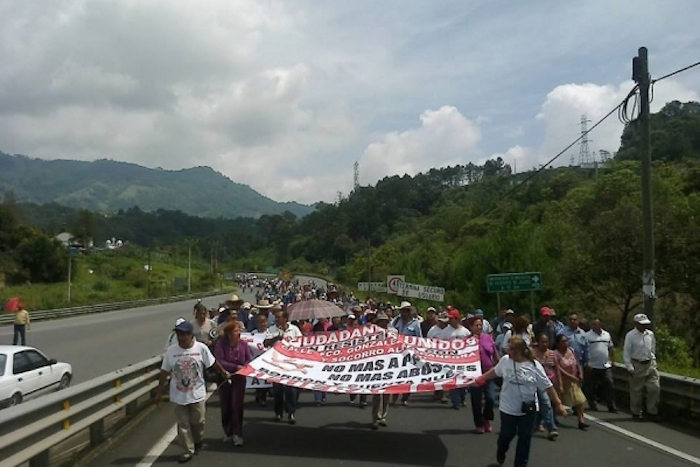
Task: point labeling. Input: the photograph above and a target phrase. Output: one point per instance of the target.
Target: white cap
(352, 317)
(431, 308)
(405, 304)
(510, 312)
(641, 318)
(179, 321)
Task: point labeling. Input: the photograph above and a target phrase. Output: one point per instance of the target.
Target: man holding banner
(407, 325)
(380, 402)
(285, 396)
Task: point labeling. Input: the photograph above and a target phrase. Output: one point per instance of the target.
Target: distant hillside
(107, 186)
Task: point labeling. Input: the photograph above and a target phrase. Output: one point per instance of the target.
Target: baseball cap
(443, 317)
(431, 308)
(510, 312)
(454, 314)
(352, 317)
(479, 312)
(641, 318)
(546, 311)
(179, 321)
(185, 327)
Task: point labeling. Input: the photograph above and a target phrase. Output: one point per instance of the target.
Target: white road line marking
(159, 448)
(645, 440)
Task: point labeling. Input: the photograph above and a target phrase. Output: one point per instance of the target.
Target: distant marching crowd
(537, 368)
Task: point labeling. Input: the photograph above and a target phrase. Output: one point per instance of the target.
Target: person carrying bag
(522, 377)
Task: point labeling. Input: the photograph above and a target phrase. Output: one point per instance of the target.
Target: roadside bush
(102, 285)
(672, 349)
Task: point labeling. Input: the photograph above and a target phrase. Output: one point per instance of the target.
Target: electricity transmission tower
(356, 175)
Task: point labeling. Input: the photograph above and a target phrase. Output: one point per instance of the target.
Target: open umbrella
(314, 309)
(12, 305)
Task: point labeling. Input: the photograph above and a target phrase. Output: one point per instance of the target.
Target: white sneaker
(237, 440)
(226, 439)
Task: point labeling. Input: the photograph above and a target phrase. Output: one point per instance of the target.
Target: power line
(623, 116)
(675, 72)
(563, 151)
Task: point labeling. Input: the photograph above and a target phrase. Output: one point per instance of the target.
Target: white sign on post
(423, 292)
(371, 286)
(394, 283)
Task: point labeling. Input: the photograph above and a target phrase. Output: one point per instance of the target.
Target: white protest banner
(255, 342)
(369, 360)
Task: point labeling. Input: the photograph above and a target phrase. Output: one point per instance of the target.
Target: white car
(26, 373)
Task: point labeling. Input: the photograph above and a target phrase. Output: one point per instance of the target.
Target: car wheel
(16, 399)
(65, 382)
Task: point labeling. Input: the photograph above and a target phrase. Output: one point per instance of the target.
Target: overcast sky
(286, 95)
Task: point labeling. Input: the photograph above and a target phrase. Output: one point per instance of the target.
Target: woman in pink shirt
(483, 413)
(571, 375)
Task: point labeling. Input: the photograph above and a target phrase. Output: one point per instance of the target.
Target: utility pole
(148, 274)
(640, 74)
(189, 267)
(369, 268)
(70, 270)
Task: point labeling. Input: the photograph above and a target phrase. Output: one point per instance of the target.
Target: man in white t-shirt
(440, 324)
(172, 338)
(455, 330)
(285, 396)
(185, 364)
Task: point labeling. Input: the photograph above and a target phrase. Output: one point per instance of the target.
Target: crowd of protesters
(536, 368)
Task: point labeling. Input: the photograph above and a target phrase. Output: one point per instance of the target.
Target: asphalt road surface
(426, 433)
(98, 343)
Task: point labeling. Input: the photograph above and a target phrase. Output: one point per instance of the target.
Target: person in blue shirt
(577, 339)
(407, 325)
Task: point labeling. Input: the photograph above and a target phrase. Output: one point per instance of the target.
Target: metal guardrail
(43, 430)
(39, 315)
(680, 395)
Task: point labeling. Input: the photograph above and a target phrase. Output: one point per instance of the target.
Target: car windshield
(3, 361)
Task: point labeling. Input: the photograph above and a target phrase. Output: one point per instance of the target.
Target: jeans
(522, 426)
(482, 403)
(20, 334)
(285, 399)
(545, 416)
(319, 397)
(457, 396)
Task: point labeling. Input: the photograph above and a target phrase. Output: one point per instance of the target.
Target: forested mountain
(451, 227)
(106, 186)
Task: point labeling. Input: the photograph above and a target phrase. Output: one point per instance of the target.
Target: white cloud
(564, 107)
(285, 96)
(445, 137)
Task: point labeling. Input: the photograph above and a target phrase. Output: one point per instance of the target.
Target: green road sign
(518, 282)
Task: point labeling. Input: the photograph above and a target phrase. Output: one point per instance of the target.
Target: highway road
(424, 434)
(102, 342)
(98, 343)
